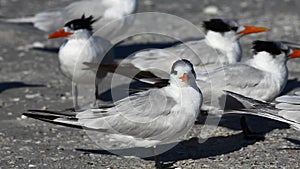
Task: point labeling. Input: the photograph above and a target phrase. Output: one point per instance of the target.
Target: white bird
(263, 77)
(106, 10)
(221, 46)
(81, 46)
(285, 108)
(145, 119)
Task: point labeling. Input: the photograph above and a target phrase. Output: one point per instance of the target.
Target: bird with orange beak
(263, 77)
(81, 46)
(219, 47)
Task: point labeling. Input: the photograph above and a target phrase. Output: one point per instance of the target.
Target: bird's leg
(75, 95)
(248, 134)
(158, 164)
(96, 95)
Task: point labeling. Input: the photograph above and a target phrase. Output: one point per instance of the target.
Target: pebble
(31, 166)
(211, 10)
(16, 99)
(23, 117)
(32, 96)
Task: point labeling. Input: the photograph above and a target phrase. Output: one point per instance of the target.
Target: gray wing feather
(239, 78)
(159, 61)
(135, 116)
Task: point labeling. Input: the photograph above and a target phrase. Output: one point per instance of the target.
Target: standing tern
(106, 10)
(81, 46)
(263, 77)
(145, 119)
(221, 46)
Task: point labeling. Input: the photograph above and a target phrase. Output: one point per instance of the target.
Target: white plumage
(106, 10)
(145, 119)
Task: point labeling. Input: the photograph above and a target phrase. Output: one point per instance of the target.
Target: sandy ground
(31, 79)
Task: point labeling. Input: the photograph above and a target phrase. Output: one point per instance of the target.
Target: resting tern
(106, 10)
(221, 46)
(81, 46)
(145, 119)
(263, 77)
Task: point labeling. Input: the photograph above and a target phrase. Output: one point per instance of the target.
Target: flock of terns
(199, 75)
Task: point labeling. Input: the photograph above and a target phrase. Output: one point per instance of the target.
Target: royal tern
(81, 46)
(263, 77)
(221, 46)
(106, 11)
(145, 119)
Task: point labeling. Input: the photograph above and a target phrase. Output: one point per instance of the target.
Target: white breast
(74, 53)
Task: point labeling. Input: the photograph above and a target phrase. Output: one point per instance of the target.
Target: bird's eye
(174, 72)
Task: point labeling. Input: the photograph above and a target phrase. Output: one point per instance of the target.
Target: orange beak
(253, 29)
(184, 78)
(295, 54)
(59, 34)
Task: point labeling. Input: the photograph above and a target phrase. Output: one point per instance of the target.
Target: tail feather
(55, 119)
(130, 71)
(20, 20)
(268, 110)
(288, 99)
(45, 21)
(67, 114)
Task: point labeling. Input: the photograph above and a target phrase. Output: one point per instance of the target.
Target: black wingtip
(50, 119)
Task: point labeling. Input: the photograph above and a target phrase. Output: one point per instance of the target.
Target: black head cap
(82, 23)
(220, 25)
(182, 62)
(272, 47)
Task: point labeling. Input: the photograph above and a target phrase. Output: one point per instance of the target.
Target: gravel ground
(31, 79)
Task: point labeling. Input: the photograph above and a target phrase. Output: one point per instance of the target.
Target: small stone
(38, 45)
(9, 113)
(32, 96)
(23, 117)
(211, 10)
(16, 99)
(31, 166)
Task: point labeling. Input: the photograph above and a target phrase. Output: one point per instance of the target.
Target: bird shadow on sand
(13, 85)
(189, 149)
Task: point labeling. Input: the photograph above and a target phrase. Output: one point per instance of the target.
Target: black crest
(218, 25)
(268, 46)
(82, 23)
(181, 62)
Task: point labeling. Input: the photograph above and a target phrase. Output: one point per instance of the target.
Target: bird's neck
(266, 62)
(228, 44)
